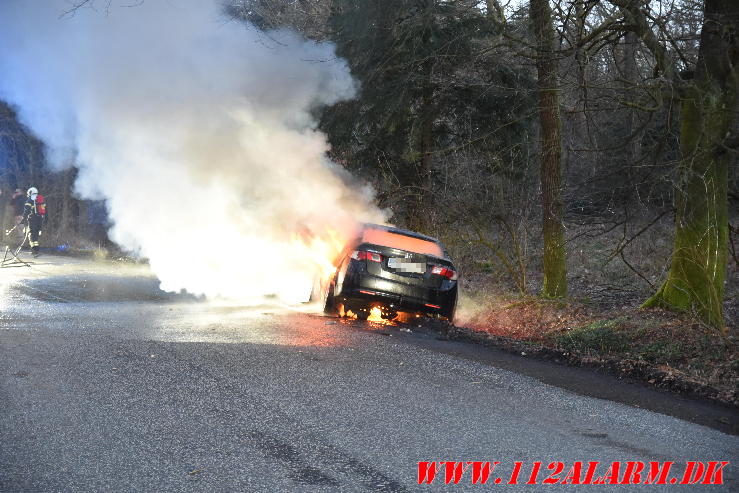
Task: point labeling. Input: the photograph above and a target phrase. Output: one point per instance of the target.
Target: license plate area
(406, 266)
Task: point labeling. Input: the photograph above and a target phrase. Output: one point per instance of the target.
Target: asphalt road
(108, 384)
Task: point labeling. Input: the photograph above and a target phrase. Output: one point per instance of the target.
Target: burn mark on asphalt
(594, 435)
(633, 451)
(303, 472)
(300, 471)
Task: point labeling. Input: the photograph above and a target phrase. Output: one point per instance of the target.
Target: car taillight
(444, 272)
(363, 255)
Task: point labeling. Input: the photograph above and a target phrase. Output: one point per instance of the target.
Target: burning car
(393, 270)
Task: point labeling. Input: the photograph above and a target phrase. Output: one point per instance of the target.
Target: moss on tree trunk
(698, 267)
(555, 267)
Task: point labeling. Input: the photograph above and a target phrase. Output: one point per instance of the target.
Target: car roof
(405, 232)
(440, 253)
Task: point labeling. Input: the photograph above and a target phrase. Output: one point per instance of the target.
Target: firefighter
(34, 213)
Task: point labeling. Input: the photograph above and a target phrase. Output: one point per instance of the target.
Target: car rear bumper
(403, 297)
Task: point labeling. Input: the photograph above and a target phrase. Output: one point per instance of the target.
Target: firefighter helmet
(32, 191)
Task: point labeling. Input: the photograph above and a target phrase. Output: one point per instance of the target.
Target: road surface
(109, 384)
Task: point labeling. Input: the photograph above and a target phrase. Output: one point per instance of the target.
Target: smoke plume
(195, 129)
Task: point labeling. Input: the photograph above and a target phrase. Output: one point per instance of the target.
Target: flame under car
(394, 270)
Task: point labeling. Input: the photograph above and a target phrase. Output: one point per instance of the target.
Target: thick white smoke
(195, 129)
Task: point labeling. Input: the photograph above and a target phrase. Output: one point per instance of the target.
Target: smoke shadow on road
(100, 288)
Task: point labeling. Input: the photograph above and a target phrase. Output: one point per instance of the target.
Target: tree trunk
(494, 10)
(426, 147)
(628, 52)
(419, 219)
(698, 268)
(555, 268)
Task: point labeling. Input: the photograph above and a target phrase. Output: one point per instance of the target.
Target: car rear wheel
(329, 302)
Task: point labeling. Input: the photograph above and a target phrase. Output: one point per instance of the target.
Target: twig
(622, 245)
(75, 6)
(621, 254)
(733, 232)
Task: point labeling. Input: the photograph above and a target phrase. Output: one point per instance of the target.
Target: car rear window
(402, 242)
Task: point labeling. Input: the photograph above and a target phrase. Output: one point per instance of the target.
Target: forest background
(578, 158)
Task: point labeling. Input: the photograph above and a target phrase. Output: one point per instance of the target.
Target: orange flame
(320, 251)
(376, 315)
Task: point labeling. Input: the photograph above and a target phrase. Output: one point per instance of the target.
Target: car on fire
(394, 270)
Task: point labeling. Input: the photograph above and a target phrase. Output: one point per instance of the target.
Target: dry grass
(602, 318)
